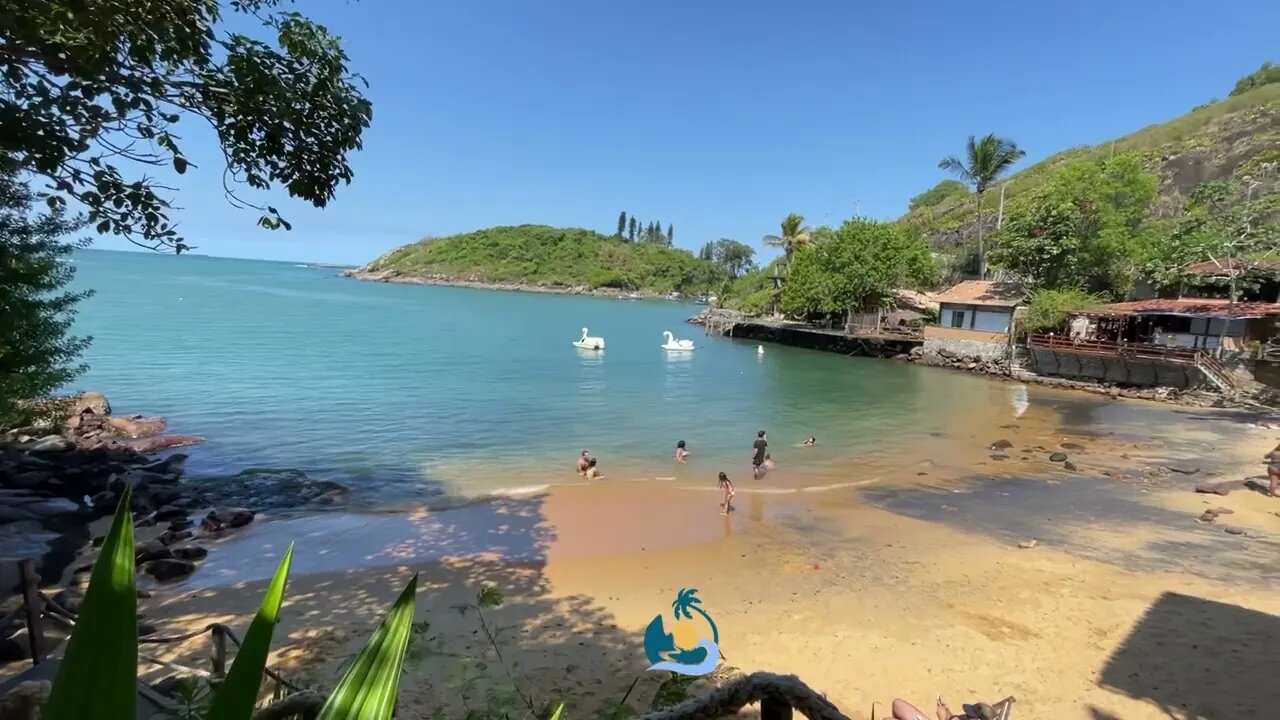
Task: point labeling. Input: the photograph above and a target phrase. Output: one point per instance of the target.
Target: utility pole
(1000, 215)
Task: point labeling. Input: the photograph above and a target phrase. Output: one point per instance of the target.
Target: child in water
(726, 486)
(681, 451)
(593, 472)
(583, 460)
(811, 441)
(769, 464)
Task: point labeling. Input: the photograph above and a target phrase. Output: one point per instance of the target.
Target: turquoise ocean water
(406, 393)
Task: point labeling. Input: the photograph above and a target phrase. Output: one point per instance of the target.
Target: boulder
(171, 512)
(224, 518)
(169, 537)
(1000, 445)
(1069, 466)
(50, 443)
(1071, 446)
(137, 426)
(104, 501)
(93, 403)
(192, 553)
(152, 550)
(30, 479)
(169, 569)
(1058, 457)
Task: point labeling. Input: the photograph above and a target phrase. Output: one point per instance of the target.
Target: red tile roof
(1205, 307)
(983, 292)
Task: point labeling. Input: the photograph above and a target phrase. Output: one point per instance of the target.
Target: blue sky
(719, 116)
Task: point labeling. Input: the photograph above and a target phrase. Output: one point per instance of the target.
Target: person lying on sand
(681, 451)
(1273, 471)
(583, 460)
(726, 486)
(811, 441)
(593, 472)
(903, 710)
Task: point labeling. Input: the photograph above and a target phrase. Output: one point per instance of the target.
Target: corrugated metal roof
(983, 292)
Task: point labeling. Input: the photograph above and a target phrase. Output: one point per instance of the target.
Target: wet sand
(910, 585)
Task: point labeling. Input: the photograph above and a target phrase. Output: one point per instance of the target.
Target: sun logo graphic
(692, 645)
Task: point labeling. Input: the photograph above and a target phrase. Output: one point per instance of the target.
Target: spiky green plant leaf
(237, 696)
(367, 691)
(98, 676)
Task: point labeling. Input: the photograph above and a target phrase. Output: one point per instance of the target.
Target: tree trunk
(982, 248)
(1231, 308)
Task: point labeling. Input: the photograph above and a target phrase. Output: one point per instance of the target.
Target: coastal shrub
(1047, 310)
(1084, 229)
(945, 190)
(38, 353)
(99, 671)
(858, 267)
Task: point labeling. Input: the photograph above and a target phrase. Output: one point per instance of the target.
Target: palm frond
(774, 241)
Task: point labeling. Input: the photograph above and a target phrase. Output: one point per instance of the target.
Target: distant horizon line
(145, 251)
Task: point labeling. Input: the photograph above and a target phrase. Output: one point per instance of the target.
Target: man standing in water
(758, 453)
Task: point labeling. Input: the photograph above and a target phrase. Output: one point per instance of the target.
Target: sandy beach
(1126, 607)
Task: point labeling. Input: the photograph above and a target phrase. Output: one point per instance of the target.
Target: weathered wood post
(775, 707)
(219, 652)
(33, 604)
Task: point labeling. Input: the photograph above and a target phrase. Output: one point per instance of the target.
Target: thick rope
(725, 700)
(731, 697)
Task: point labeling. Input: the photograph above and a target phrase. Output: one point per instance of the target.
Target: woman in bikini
(726, 486)
(682, 452)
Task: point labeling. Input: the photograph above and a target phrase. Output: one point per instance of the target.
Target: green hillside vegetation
(1243, 126)
(549, 256)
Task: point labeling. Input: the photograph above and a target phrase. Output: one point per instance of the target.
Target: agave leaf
(239, 693)
(367, 690)
(98, 677)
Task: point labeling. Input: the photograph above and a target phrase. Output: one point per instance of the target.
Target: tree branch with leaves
(93, 93)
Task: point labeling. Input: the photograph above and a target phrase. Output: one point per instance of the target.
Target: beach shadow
(1198, 659)
(555, 646)
(1114, 522)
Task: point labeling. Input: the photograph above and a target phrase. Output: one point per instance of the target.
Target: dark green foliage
(730, 256)
(631, 236)
(943, 191)
(707, 252)
(38, 355)
(1266, 75)
(91, 88)
(622, 224)
(1047, 310)
(857, 267)
(571, 257)
(1084, 230)
(671, 234)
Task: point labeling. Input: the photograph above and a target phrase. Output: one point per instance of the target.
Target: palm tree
(687, 600)
(794, 236)
(986, 159)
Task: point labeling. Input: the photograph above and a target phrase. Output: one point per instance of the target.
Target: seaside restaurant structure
(1161, 341)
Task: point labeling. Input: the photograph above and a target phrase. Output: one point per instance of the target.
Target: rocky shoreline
(61, 481)
(395, 276)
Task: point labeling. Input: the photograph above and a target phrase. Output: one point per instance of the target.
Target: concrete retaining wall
(1115, 370)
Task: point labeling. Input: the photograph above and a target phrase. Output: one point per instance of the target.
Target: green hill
(1232, 138)
(546, 257)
